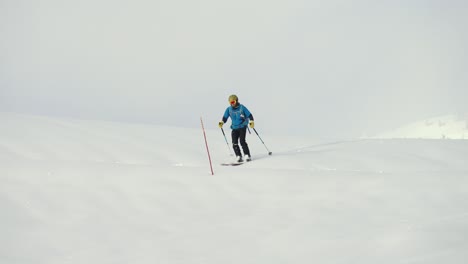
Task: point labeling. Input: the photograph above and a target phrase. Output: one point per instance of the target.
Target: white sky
(324, 68)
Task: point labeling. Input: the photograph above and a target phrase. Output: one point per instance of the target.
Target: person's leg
(235, 134)
(243, 143)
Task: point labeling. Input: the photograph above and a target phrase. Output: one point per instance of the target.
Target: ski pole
(269, 152)
(229, 149)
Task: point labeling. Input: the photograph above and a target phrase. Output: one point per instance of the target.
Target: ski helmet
(233, 97)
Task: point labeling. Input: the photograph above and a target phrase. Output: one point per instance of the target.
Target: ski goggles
(232, 102)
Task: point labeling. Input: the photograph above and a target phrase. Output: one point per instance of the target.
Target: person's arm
(248, 113)
(226, 115)
(250, 116)
(224, 119)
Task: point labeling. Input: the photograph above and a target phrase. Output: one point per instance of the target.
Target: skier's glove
(220, 124)
(251, 123)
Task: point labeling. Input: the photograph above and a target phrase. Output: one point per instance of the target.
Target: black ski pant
(239, 135)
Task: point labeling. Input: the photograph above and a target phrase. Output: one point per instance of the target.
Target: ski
(235, 163)
(232, 164)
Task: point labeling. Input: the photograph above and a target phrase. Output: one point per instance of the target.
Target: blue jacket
(239, 115)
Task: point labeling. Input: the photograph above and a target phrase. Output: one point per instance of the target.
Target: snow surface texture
(74, 191)
(443, 127)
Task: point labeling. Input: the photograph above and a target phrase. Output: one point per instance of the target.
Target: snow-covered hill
(441, 127)
(75, 191)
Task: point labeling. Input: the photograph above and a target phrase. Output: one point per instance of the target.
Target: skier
(240, 118)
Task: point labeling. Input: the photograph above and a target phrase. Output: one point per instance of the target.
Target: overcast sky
(323, 68)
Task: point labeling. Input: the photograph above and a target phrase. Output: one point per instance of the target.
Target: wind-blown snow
(75, 191)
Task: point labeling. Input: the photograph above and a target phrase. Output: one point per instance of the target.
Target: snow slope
(441, 127)
(75, 191)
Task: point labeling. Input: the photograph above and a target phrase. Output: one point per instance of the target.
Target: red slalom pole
(206, 143)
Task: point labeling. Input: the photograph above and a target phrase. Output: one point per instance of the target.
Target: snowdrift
(441, 127)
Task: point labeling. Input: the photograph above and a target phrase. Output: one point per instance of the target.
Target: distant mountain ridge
(441, 127)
